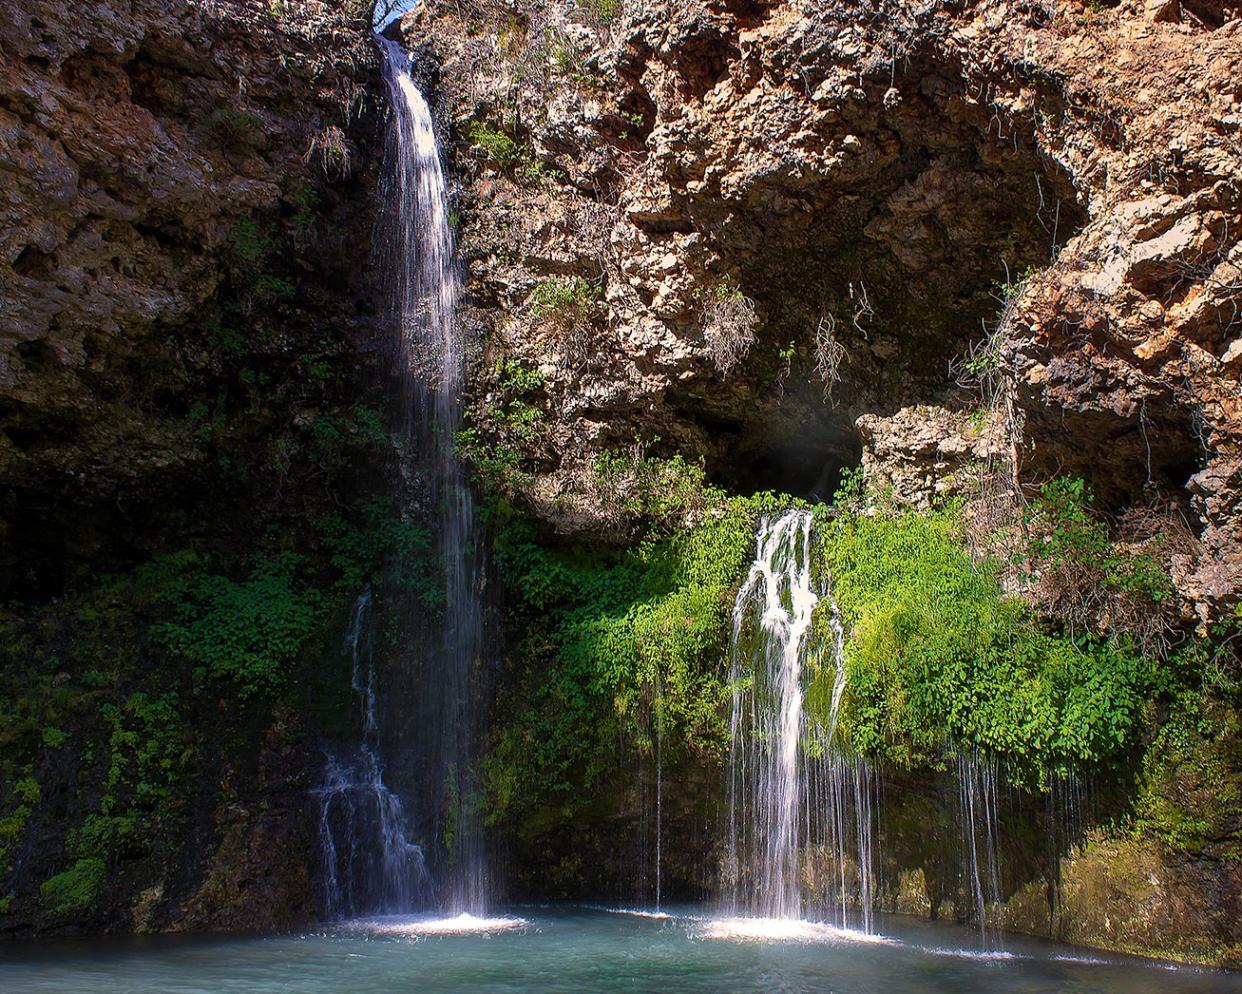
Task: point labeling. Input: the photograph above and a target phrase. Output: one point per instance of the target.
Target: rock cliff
(795, 226)
(185, 201)
(186, 362)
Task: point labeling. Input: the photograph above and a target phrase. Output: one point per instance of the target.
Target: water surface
(576, 950)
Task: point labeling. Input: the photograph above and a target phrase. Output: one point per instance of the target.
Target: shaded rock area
(187, 368)
(185, 197)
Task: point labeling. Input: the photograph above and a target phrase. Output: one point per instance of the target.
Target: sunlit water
(539, 950)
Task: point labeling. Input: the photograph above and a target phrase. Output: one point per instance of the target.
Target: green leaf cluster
(939, 656)
(616, 647)
(246, 631)
(75, 889)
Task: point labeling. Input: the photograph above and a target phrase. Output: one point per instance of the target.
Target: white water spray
(794, 801)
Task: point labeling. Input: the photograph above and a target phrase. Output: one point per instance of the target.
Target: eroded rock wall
(186, 195)
(888, 187)
(967, 246)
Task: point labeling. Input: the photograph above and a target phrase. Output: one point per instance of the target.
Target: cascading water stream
(430, 357)
(792, 796)
(370, 864)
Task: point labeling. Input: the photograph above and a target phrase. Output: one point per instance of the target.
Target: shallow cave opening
(902, 258)
(803, 449)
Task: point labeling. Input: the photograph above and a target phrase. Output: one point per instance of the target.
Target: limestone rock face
(148, 153)
(888, 185)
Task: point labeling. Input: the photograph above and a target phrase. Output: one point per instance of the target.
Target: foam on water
(636, 913)
(784, 930)
(985, 955)
(423, 925)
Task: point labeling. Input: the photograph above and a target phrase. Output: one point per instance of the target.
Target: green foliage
(144, 751)
(517, 379)
(567, 58)
(307, 201)
(1067, 534)
(20, 803)
(510, 154)
(939, 656)
(499, 146)
(267, 287)
(1191, 785)
(249, 243)
(564, 298)
(513, 418)
(54, 737)
(615, 644)
(246, 631)
(1014, 287)
(74, 889)
(602, 11)
(381, 545)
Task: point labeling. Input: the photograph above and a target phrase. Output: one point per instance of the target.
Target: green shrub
(74, 889)
(249, 243)
(938, 655)
(631, 488)
(23, 795)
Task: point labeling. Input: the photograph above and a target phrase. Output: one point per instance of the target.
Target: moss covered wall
(1109, 758)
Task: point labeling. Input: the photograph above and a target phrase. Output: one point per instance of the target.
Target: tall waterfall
(380, 855)
(430, 356)
(795, 803)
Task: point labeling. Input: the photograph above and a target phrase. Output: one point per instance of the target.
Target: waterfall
(430, 357)
(798, 808)
(980, 828)
(369, 864)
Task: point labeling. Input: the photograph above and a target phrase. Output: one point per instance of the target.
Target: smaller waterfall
(369, 864)
(798, 809)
